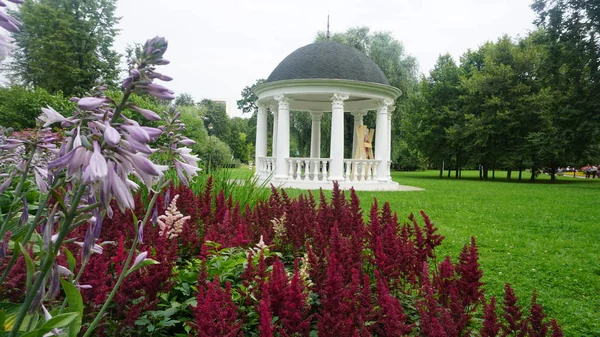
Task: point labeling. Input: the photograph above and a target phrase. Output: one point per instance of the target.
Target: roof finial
(327, 26)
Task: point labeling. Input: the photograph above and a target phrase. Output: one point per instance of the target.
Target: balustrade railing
(308, 169)
(361, 169)
(265, 165)
(316, 169)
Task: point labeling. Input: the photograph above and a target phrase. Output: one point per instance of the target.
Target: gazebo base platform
(344, 185)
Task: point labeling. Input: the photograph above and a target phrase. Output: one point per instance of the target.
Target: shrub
(20, 106)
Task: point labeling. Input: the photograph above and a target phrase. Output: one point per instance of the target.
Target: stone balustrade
(361, 169)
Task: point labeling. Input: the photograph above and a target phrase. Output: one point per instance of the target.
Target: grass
(541, 235)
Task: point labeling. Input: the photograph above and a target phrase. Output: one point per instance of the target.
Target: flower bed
(296, 267)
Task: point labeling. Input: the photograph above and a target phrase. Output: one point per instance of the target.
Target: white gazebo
(325, 77)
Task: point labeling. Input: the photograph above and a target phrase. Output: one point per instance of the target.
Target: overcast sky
(217, 47)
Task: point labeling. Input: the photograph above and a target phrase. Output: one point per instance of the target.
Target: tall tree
(216, 120)
(66, 45)
(571, 72)
(248, 101)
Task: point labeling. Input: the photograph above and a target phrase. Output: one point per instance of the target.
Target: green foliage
(66, 46)
(19, 106)
(215, 153)
(184, 99)
(248, 101)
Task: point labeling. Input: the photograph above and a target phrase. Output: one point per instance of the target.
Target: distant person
(588, 171)
(594, 172)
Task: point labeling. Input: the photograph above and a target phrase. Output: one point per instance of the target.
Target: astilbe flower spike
(490, 320)
(171, 223)
(216, 314)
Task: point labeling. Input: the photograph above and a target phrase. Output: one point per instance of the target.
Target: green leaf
(70, 260)
(29, 264)
(75, 306)
(58, 321)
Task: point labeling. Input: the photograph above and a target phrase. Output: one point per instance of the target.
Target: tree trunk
(520, 169)
(532, 174)
(449, 167)
(494, 169)
(480, 171)
(442, 170)
(508, 174)
(457, 167)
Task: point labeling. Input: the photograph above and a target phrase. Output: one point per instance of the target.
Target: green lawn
(542, 235)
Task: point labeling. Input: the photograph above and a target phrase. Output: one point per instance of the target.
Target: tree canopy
(65, 45)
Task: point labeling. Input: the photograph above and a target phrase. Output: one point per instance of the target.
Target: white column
(392, 109)
(315, 140)
(283, 137)
(336, 170)
(382, 142)
(358, 121)
(261, 136)
(275, 113)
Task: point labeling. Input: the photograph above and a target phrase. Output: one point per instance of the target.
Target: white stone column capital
(338, 100)
(261, 106)
(384, 105)
(359, 114)
(316, 116)
(284, 101)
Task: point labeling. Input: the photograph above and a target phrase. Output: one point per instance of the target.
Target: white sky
(217, 47)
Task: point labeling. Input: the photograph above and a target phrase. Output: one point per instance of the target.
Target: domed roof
(328, 60)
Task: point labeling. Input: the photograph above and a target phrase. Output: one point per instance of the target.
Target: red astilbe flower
(512, 314)
(391, 320)
(429, 310)
(491, 326)
(277, 287)
(432, 240)
(556, 331)
(469, 283)
(333, 318)
(536, 326)
(216, 314)
(13, 287)
(265, 327)
(295, 317)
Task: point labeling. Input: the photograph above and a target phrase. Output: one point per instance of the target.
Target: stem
(113, 292)
(18, 191)
(120, 107)
(48, 261)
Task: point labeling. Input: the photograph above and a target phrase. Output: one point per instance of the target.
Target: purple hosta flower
(11, 144)
(9, 23)
(97, 222)
(97, 168)
(25, 215)
(135, 73)
(41, 177)
(155, 215)
(127, 83)
(186, 154)
(186, 141)
(5, 185)
(167, 199)
(138, 259)
(148, 114)
(115, 186)
(83, 286)
(95, 248)
(162, 62)
(50, 116)
(185, 172)
(155, 47)
(111, 135)
(159, 91)
(91, 103)
(140, 232)
(4, 244)
(154, 133)
(145, 169)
